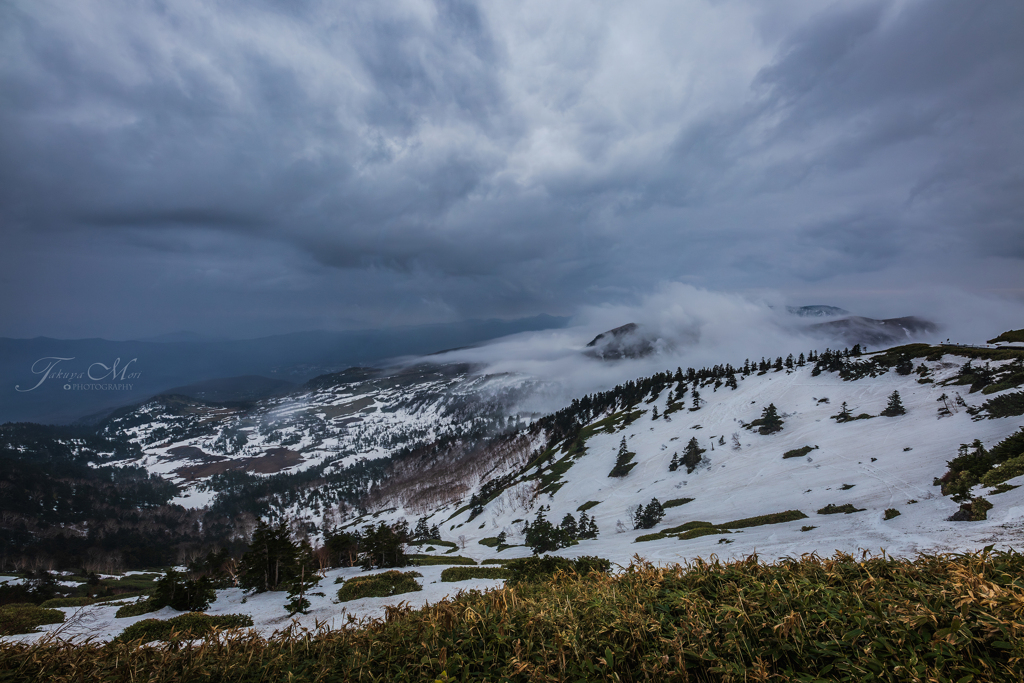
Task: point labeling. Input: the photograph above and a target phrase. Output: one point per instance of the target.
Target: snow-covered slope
(873, 464)
(336, 420)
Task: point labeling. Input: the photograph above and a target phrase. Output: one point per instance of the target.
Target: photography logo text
(97, 377)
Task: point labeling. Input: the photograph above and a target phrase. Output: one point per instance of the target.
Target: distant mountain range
(91, 377)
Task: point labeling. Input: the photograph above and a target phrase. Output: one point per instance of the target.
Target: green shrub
(676, 502)
(1014, 467)
(1007, 405)
(1009, 336)
(534, 569)
(466, 573)
(431, 560)
(182, 627)
(68, 602)
(490, 541)
(434, 541)
(831, 509)
(381, 585)
(586, 506)
(24, 617)
(701, 531)
(891, 512)
(807, 528)
(1002, 488)
(136, 609)
(760, 520)
(798, 452)
(494, 560)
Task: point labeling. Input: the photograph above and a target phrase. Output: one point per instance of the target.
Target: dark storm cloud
(334, 164)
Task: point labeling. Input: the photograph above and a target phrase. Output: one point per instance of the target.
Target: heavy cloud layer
(246, 168)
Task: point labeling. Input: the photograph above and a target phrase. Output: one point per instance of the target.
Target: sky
(249, 168)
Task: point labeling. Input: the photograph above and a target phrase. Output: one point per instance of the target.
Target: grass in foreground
(381, 585)
(935, 618)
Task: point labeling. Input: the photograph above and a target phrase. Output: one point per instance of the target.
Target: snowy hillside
(873, 464)
(337, 420)
(877, 470)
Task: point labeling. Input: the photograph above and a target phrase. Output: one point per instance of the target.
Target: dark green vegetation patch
(935, 618)
(832, 509)
(466, 573)
(798, 452)
(697, 529)
(534, 569)
(430, 560)
(182, 627)
(381, 585)
(23, 617)
(676, 502)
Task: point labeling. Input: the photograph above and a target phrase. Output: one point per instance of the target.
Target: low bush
(701, 531)
(760, 520)
(798, 452)
(182, 627)
(434, 541)
(807, 528)
(890, 513)
(676, 502)
(494, 560)
(1014, 467)
(490, 542)
(466, 573)
(1007, 405)
(24, 617)
(431, 560)
(136, 609)
(68, 602)
(534, 569)
(586, 506)
(831, 509)
(381, 585)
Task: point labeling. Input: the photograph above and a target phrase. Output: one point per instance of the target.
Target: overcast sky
(246, 168)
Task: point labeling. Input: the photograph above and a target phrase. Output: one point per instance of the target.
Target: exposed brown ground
(274, 460)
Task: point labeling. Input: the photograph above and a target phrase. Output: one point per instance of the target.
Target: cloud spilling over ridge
(694, 327)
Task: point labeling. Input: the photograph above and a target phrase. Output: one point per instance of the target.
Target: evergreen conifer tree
(895, 406)
(692, 455)
(770, 420)
(674, 465)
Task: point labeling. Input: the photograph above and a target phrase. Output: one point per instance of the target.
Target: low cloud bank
(692, 327)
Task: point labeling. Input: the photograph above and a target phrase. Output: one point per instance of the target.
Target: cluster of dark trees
(648, 516)
(543, 537)
(67, 501)
(692, 455)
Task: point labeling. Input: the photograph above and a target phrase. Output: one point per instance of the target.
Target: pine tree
(569, 526)
(692, 455)
(731, 382)
(674, 465)
(696, 400)
(789, 362)
(778, 364)
(654, 414)
(770, 421)
(270, 560)
(422, 530)
(843, 415)
(653, 513)
(800, 360)
(895, 406)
